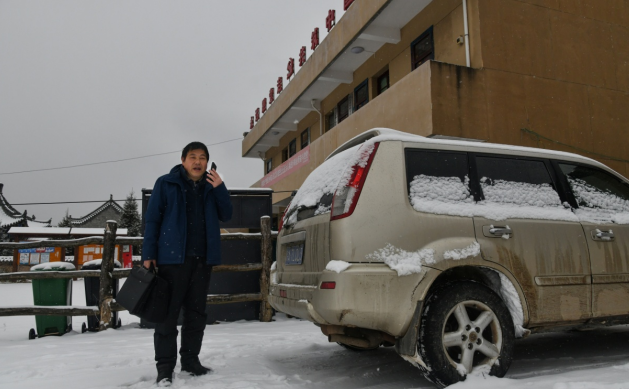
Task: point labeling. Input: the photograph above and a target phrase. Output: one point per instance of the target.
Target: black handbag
(145, 294)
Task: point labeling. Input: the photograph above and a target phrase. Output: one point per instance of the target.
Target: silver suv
(450, 250)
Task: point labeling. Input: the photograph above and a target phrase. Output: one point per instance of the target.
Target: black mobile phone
(213, 167)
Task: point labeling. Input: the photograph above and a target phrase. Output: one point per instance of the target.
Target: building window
(361, 95)
(422, 49)
(343, 107)
(269, 165)
(330, 121)
(305, 138)
(383, 82)
(292, 148)
(285, 155)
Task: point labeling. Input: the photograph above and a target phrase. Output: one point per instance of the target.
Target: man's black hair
(194, 146)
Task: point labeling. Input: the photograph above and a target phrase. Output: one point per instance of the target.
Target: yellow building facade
(542, 73)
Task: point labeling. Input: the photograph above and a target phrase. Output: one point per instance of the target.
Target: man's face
(195, 164)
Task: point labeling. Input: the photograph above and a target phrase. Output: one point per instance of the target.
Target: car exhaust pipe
(356, 337)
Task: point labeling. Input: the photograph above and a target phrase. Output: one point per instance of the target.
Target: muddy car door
(526, 228)
(602, 204)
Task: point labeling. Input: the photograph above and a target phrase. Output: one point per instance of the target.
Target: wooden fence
(107, 274)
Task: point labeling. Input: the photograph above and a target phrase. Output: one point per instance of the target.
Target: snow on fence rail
(107, 274)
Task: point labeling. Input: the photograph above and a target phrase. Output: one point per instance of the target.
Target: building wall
(545, 73)
(554, 76)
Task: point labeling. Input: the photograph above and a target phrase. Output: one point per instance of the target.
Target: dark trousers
(188, 284)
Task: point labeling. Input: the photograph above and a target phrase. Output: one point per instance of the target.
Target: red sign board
(314, 39)
(293, 164)
(346, 4)
(330, 21)
(280, 85)
(302, 56)
(257, 114)
(291, 68)
(251, 124)
(264, 105)
(271, 96)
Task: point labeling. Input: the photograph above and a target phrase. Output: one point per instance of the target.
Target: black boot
(164, 376)
(195, 369)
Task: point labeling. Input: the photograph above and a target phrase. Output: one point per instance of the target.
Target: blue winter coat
(165, 228)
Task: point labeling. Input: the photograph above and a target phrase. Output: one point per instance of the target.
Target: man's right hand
(147, 263)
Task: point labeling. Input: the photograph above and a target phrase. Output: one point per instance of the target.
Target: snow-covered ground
(287, 353)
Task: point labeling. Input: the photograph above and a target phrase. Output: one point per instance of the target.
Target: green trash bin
(52, 292)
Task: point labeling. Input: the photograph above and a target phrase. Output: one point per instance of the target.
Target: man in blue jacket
(182, 239)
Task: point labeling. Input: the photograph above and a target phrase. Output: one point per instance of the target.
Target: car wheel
(465, 328)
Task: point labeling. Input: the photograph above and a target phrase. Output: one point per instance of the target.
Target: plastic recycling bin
(92, 295)
(52, 292)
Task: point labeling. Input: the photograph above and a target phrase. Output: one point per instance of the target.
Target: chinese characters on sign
(314, 39)
(330, 21)
(302, 56)
(291, 68)
(293, 164)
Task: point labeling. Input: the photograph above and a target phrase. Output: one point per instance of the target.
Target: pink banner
(294, 163)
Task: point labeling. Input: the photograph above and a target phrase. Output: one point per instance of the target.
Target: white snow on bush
(470, 251)
(512, 301)
(337, 266)
(54, 266)
(402, 261)
(502, 202)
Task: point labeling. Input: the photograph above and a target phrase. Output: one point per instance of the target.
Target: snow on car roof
(388, 134)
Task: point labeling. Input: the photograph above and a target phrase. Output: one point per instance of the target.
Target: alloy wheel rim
(472, 336)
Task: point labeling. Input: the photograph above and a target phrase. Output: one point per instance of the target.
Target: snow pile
(520, 193)
(337, 266)
(54, 266)
(445, 189)
(98, 262)
(402, 261)
(504, 200)
(323, 180)
(596, 206)
(512, 300)
(470, 251)
(274, 273)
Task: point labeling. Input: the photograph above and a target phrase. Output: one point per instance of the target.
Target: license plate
(295, 254)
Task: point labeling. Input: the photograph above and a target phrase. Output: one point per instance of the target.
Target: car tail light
(281, 221)
(328, 285)
(346, 197)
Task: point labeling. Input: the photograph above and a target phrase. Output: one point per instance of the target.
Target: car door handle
(603, 235)
(492, 231)
(500, 231)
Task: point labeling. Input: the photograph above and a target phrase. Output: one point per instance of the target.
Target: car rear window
(314, 197)
(437, 175)
(516, 181)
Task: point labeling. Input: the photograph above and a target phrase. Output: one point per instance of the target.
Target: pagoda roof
(9, 216)
(108, 204)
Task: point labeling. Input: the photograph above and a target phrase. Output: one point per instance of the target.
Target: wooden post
(266, 312)
(106, 279)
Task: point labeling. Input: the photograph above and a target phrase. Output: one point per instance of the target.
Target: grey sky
(89, 81)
